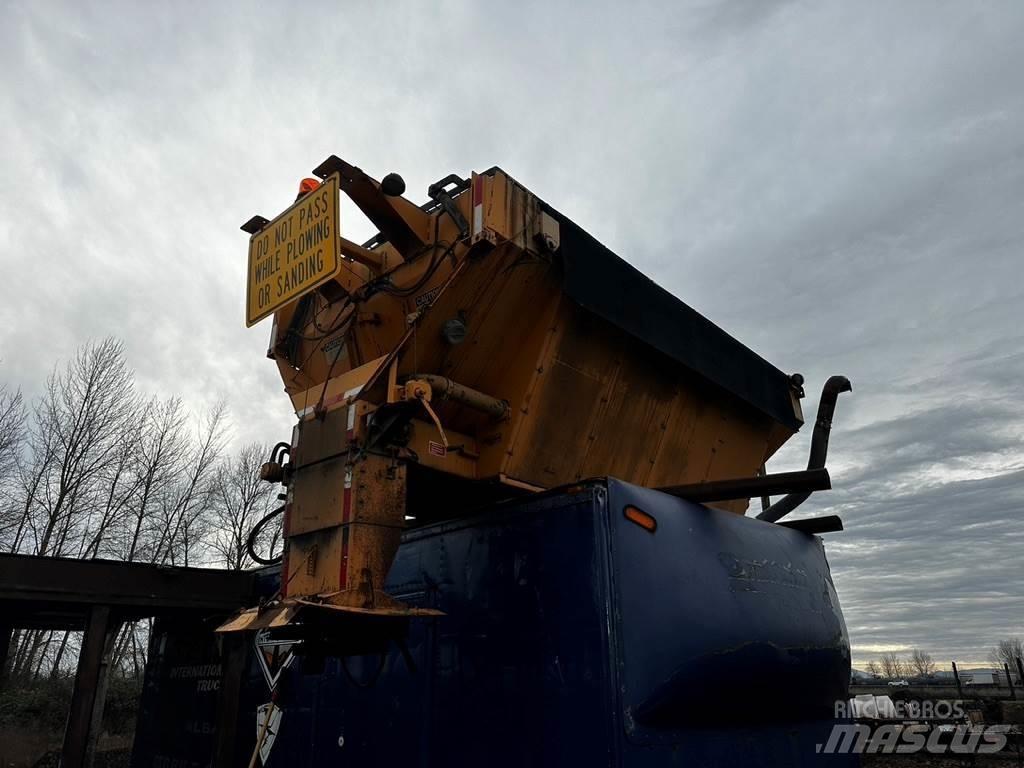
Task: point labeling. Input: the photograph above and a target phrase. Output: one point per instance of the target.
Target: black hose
(435, 262)
(250, 543)
(278, 450)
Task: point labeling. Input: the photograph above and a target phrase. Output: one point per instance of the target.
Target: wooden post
(956, 675)
(87, 684)
(100, 699)
(1009, 681)
(5, 646)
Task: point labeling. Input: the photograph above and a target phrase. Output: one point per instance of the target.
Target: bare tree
(12, 425)
(34, 467)
(120, 485)
(921, 663)
(174, 487)
(94, 470)
(1007, 651)
(240, 500)
(12, 429)
(188, 504)
(892, 665)
(76, 430)
(158, 458)
(873, 669)
(79, 425)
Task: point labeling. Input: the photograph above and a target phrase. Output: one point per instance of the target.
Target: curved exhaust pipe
(835, 386)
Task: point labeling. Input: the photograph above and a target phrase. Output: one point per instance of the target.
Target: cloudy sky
(840, 185)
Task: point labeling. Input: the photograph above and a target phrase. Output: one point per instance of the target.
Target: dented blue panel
(574, 637)
(728, 633)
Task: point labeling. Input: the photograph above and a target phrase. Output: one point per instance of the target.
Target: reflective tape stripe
(349, 395)
(478, 204)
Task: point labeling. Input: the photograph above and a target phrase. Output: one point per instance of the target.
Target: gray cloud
(838, 185)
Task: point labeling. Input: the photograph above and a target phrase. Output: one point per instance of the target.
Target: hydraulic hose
(250, 544)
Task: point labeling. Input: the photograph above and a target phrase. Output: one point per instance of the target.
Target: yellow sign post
(294, 253)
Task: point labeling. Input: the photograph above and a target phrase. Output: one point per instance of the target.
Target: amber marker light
(641, 518)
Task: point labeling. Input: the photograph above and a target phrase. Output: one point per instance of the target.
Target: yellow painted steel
(583, 397)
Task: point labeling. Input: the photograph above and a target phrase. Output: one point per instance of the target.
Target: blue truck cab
(601, 624)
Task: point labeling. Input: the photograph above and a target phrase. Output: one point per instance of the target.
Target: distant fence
(985, 684)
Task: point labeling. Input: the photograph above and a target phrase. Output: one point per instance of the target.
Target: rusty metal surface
(547, 381)
(586, 395)
(609, 287)
(57, 592)
(253, 619)
(359, 512)
(404, 224)
(603, 404)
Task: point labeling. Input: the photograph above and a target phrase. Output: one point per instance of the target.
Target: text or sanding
(294, 253)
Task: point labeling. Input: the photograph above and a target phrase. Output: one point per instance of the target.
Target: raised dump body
(572, 635)
(480, 346)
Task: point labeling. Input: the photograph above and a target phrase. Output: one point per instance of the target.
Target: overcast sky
(840, 185)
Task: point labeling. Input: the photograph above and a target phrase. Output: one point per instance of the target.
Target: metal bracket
(748, 487)
(255, 225)
(438, 191)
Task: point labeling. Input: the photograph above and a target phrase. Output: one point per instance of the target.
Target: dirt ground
(25, 748)
(21, 747)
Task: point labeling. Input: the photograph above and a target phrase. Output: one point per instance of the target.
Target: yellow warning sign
(294, 253)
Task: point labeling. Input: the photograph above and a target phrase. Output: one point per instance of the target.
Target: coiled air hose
(250, 544)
